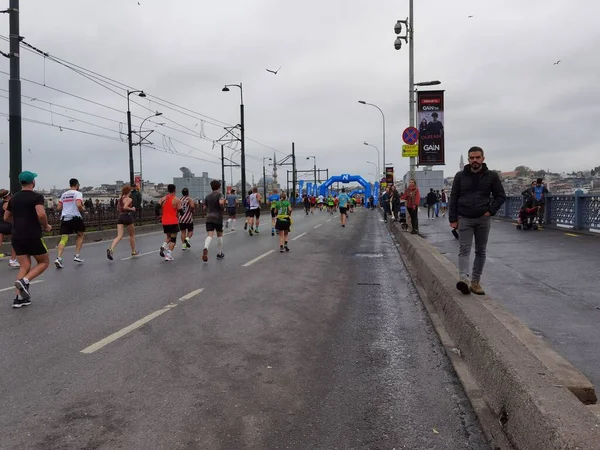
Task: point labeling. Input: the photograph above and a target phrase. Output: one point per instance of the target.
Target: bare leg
(25, 262)
(120, 230)
(42, 264)
(78, 243)
(131, 231)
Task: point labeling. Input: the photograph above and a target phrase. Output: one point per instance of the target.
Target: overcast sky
(503, 91)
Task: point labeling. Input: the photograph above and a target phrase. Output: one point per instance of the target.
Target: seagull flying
(468, 17)
(557, 62)
(274, 71)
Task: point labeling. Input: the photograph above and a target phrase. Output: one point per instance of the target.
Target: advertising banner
(389, 176)
(430, 116)
(138, 181)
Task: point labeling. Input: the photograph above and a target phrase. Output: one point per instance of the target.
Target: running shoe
(162, 251)
(250, 231)
(109, 253)
(287, 249)
(245, 226)
(184, 247)
(169, 257)
(135, 253)
(221, 255)
(14, 263)
(187, 241)
(205, 255)
(280, 249)
(19, 302)
(23, 288)
(256, 231)
(77, 258)
(59, 263)
(227, 224)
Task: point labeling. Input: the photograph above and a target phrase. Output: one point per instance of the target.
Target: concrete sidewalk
(547, 278)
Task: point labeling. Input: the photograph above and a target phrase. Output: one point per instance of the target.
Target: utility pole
(411, 77)
(264, 182)
(243, 155)
(223, 168)
(14, 102)
(294, 173)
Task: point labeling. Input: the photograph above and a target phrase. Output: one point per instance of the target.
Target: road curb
(508, 362)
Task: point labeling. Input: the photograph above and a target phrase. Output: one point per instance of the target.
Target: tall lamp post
(375, 166)
(264, 179)
(243, 136)
(140, 94)
(362, 102)
(314, 166)
(156, 114)
(378, 167)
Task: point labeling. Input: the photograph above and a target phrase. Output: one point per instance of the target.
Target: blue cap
(27, 177)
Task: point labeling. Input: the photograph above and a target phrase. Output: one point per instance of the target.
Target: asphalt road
(547, 278)
(325, 347)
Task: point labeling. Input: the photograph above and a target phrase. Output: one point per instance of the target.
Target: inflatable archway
(356, 191)
(347, 178)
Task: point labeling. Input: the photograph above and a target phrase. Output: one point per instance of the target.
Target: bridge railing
(579, 211)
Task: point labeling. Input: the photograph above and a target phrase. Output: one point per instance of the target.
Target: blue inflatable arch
(346, 178)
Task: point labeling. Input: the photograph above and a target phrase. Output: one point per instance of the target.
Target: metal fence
(579, 211)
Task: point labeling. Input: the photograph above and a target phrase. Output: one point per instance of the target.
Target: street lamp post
(362, 102)
(378, 167)
(375, 166)
(156, 114)
(314, 166)
(141, 94)
(242, 133)
(264, 178)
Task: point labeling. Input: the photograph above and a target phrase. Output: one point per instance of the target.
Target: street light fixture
(129, 134)
(156, 114)
(362, 102)
(314, 166)
(378, 166)
(242, 133)
(428, 83)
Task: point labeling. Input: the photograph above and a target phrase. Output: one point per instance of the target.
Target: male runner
(186, 219)
(254, 211)
(171, 206)
(343, 200)
(214, 203)
(313, 204)
(231, 209)
(306, 203)
(28, 216)
(71, 206)
(247, 206)
(284, 213)
(320, 200)
(330, 205)
(273, 199)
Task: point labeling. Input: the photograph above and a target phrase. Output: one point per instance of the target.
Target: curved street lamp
(362, 102)
(378, 167)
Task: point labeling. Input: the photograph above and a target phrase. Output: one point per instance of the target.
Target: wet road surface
(325, 347)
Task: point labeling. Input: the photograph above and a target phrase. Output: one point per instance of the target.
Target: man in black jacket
(477, 195)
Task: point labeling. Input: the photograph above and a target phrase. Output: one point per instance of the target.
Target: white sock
(233, 220)
(220, 244)
(207, 241)
(164, 245)
(228, 220)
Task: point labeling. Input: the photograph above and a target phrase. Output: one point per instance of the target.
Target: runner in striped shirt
(186, 219)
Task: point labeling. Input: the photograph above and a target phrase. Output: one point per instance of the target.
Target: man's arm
(42, 217)
(454, 194)
(222, 201)
(7, 216)
(498, 195)
(191, 204)
(79, 202)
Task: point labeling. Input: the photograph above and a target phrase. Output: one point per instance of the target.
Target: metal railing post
(578, 210)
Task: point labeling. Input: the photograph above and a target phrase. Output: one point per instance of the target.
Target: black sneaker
(463, 286)
(109, 254)
(162, 251)
(245, 226)
(250, 231)
(221, 255)
(287, 249)
(23, 289)
(414, 232)
(280, 249)
(19, 302)
(187, 241)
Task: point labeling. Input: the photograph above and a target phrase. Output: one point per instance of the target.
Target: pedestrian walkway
(548, 278)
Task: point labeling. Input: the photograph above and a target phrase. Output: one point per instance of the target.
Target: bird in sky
(274, 71)
(557, 62)
(468, 17)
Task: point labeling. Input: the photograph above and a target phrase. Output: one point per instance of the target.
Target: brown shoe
(476, 288)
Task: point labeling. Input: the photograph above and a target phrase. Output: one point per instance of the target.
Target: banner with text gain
(430, 115)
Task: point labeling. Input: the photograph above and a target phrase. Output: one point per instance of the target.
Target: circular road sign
(410, 136)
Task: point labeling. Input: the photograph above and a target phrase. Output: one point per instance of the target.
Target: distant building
(199, 187)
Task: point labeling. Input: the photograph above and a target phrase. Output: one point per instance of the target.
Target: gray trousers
(467, 230)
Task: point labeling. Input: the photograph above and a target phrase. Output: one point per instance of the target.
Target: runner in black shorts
(124, 220)
(231, 209)
(27, 213)
(214, 203)
(70, 206)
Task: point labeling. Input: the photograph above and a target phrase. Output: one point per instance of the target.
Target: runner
(231, 209)
(284, 221)
(214, 203)
(171, 205)
(320, 200)
(6, 228)
(71, 206)
(336, 202)
(28, 216)
(247, 206)
(306, 203)
(352, 204)
(330, 204)
(344, 202)
(273, 199)
(186, 219)
(313, 204)
(254, 211)
(125, 219)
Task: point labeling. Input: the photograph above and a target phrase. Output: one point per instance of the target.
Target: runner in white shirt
(71, 222)
(254, 211)
(320, 200)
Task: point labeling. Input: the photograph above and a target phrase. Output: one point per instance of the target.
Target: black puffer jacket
(475, 193)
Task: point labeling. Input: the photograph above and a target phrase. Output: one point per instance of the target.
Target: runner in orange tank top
(171, 206)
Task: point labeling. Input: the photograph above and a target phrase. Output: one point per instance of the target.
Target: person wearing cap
(26, 212)
(70, 206)
(6, 227)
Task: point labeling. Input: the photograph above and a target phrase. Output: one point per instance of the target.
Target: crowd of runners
(25, 220)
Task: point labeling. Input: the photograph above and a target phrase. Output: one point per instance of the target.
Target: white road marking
(299, 236)
(329, 220)
(12, 287)
(141, 254)
(258, 258)
(318, 225)
(135, 325)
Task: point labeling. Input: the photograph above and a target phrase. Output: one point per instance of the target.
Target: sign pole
(411, 76)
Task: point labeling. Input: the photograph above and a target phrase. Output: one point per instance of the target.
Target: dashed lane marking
(329, 220)
(299, 236)
(12, 287)
(258, 258)
(571, 234)
(135, 325)
(319, 225)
